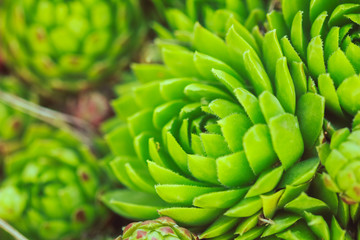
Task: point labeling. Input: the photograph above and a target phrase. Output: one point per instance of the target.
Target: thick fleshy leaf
(135, 205)
(191, 216)
(220, 199)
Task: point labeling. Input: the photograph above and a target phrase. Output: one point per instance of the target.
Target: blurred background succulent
(15, 121)
(68, 45)
(50, 186)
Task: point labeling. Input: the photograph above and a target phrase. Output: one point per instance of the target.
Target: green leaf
(332, 42)
(233, 129)
(229, 166)
(223, 108)
(250, 104)
(276, 21)
(245, 208)
(315, 57)
(281, 223)
(247, 224)
(252, 234)
(300, 173)
(349, 95)
(310, 112)
(230, 82)
(319, 27)
(150, 72)
(182, 194)
(272, 52)
(243, 32)
(196, 166)
(197, 91)
(270, 202)
(214, 145)
(338, 15)
(164, 113)
(327, 89)
(120, 141)
(219, 227)
(177, 153)
(270, 106)
(180, 62)
(299, 77)
(286, 139)
(191, 216)
(173, 89)
(221, 199)
(339, 67)
(285, 89)
(204, 42)
(298, 37)
(336, 232)
(258, 137)
(135, 205)
(353, 54)
(141, 122)
(291, 7)
(266, 182)
(305, 203)
(318, 225)
(164, 175)
(291, 192)
(205, 63)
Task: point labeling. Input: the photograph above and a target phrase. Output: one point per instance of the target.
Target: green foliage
(50, 186)
(68, 45)
(217, 134)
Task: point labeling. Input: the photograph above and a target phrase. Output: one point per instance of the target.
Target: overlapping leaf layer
(324, 35)
(219, 134)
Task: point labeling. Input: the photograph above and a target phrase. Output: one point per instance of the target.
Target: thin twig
(12, 231)
(76, 126)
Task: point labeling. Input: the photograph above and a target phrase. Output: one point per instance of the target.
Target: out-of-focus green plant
(50, 186)
(13, 122)
(68, 45)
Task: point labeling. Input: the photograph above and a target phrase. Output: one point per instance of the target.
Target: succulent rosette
(158, 229)
(68, 45)
(50, 186)
(15, 121)
(324, 36)
(341, 159)
(181, 15)
(217, 134)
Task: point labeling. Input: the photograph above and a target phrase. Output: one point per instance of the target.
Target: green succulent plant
(324, 36)
(50, 186)
(68, 45)
(158, 229)
(218, 133)
(15, 121)
(341, 158)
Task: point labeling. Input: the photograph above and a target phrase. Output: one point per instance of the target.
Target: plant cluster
(239, 119)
